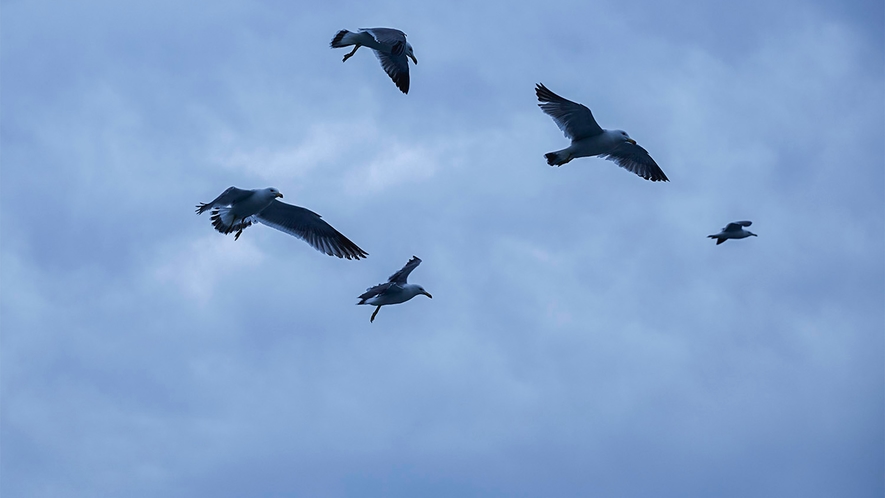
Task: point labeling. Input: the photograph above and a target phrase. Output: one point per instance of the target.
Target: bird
(733, 230)
(236, 209)
(395, 290)
(589, 139)
(389, 45)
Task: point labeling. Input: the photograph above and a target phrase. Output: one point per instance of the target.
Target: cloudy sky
(585, 338)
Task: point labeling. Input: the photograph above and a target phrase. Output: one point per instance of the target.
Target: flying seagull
(390, 47)
(236, 209)
(733, 231)
(589, 139)
(395, 290)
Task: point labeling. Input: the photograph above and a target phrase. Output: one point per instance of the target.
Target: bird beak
(753, 234)
(427, 294)
(279, 194)
(631, 141)
(414, 59)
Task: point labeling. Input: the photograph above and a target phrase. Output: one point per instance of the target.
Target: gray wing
(636, 159)
(310, 227)
(229, 197)
(402, 275)
(397, 67)
(395, 63)
(375, 291)
(386, 36)
(575, 120)
(736, 226)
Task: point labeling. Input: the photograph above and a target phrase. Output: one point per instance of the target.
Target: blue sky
(585, 337)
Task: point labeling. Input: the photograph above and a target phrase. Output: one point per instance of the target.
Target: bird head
(274, 192)
(410, 54)
(625, 137)
(422, 291)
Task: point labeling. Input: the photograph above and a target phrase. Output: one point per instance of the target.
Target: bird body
(389, 45)
(589, 139)
(734, 230)
(394, 294)
(395, 291)
(237, 209)
(587, 147)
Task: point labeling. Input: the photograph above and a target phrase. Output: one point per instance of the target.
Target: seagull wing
(310, 227)
(375, 291)
(395, 62)
(736, 226)
(402, 275)
(229, 197)
(636, 159)
(386, 36)
(575, 120)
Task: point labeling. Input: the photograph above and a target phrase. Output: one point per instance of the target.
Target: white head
(409, 52)
(623, 137)
(271, 193)
(416, 289)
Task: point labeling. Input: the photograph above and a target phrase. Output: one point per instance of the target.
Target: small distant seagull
(733, 231)
(589, 139)
(236, 209)
(390, 47)
(395, 291)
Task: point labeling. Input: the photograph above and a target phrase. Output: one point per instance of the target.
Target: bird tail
(557, 158)
(224, 222)
(719, 240)
(342, 39)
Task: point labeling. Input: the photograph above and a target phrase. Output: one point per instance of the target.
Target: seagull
(733, 230)
(390, 47)
(589, 139)
(236, 209)
(395, 290)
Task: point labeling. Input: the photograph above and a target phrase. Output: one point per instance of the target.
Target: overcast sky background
(584, 339)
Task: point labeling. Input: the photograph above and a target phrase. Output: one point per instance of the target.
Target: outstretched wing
(403, 274)
(227, 198)
(735, 226)
(310, 227)
(634, 158)
(386, 36)
(395, 62)
(575, 120)
(397, 67)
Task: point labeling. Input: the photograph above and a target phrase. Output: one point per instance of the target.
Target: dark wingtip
(544, 94)
(337, 39)
(551, 158)
(403, 84)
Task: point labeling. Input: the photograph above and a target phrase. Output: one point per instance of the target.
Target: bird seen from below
(589, 139)
(390, 46)
(237, 209)
(395, 291)
(733, 230)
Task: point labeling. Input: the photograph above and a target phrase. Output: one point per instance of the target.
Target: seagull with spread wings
(395, 291)
(733, 230)
(237, 209)
(390, 46)
(589, 139)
